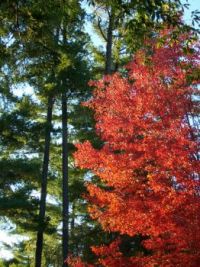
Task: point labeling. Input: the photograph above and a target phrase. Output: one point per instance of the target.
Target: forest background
(40, 47)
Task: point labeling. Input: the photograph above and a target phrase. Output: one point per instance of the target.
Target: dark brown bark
(42, 210)
(65, 200)
(108, 63)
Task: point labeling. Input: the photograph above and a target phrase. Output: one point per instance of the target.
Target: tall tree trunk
(108, 63)
(72, 225)
(39, 243)
(65, 210)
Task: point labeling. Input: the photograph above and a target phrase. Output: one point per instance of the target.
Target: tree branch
(101, 31)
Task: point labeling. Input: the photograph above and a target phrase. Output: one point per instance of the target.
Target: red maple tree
(149, 161)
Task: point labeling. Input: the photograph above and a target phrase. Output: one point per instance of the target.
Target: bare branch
(101, 31)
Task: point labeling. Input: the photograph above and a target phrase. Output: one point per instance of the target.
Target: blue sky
(194, 4)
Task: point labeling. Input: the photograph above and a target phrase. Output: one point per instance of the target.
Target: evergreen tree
(45, 64)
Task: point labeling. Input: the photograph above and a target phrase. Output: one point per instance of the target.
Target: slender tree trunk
(108, 63)
(39, 243)
(72, 225)
(72, 219)
(65, 210)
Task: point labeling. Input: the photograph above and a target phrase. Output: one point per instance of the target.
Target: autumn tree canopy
(148, 165)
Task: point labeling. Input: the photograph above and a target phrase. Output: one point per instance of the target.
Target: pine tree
(44, 62)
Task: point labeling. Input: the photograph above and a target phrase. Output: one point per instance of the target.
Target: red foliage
(149, 160)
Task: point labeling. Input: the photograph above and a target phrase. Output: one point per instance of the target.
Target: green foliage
(47, 46)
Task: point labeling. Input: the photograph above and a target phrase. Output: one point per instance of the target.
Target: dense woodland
(99, 144)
